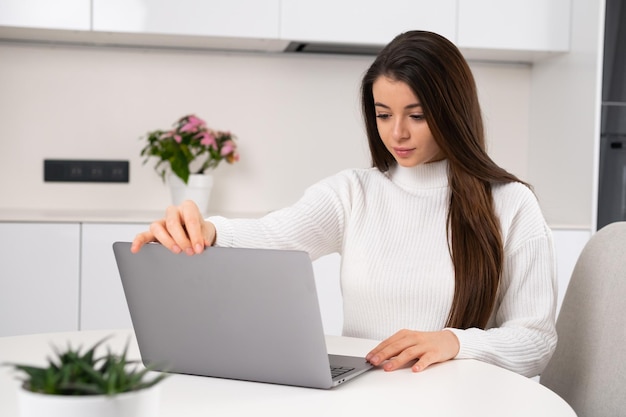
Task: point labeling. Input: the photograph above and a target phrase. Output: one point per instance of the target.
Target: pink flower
(193, 124)
(189, 127)
(229, 147)
(178, 139)
(196, 121)
(207, 139)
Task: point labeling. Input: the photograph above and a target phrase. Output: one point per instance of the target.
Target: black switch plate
(75, 170)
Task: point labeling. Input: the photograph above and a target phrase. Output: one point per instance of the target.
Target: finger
(389, 347)
(424, 362)
(194, 225)
(175, 229)
(140, 240)
(408, 355)
(162, 235)
(382, 352)
(374, 356)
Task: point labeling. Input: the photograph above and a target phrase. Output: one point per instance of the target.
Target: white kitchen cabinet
(46, 14)
(327, 283)
(39, 264)
(514, 25)
(103, 304)
(365, 22)
(234, 18)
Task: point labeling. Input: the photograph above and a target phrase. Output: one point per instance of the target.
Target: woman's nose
(400, 130)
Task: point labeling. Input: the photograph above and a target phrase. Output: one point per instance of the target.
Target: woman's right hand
(183, 229)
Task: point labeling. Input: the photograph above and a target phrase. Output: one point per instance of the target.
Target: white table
(455, 388)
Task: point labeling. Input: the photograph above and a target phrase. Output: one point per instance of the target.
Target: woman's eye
(382, 116)
(417, 116)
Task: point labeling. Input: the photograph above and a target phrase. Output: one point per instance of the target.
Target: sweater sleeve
(314, 224)
(522, 335)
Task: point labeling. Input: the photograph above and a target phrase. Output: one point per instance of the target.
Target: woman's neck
(422, 176)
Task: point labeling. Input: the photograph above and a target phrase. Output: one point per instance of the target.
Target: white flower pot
(198, 189)
(142, 403)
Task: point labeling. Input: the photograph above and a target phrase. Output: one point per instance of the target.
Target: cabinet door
(364, 22)
(234, 18)
(327, 283)
(103, 304)
(39, 264)
(529, 25)
(46, 14)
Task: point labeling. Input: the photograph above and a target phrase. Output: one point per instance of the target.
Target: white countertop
(129, 216)
(95, 216)
(454, 388)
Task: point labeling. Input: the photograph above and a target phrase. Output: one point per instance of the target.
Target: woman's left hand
(408, 345)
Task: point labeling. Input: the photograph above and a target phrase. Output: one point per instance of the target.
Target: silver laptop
(249, 314)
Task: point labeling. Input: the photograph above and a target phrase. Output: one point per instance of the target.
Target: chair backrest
(588, 368)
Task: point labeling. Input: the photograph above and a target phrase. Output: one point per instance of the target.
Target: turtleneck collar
(421, 177)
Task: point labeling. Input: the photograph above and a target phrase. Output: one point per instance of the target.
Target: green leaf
(74, 373)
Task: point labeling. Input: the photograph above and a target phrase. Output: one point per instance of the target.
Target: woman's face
(401, 123)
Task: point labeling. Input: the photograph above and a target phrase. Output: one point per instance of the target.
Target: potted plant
(79, 384)
(187, 152)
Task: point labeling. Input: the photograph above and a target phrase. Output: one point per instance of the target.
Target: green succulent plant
(72, 372)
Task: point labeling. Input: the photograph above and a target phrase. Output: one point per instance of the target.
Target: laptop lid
(237, 313)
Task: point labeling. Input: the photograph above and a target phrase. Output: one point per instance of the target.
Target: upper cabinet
(364, 22)
(507, 30)
(233, 24)
(46, 14)
(518, 30)
(514, 25)
(233, 18)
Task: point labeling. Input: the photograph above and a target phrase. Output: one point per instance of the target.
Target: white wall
(565, 123)
(297, 118)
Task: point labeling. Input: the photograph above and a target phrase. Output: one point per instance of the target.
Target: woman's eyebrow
(410, 106)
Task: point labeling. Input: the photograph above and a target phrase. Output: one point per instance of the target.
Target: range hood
(332, 48)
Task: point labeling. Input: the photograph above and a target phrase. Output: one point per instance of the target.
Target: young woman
(443, 253)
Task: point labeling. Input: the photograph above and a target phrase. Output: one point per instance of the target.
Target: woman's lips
(403, 152)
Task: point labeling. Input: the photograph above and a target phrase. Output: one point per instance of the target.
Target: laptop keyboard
(336, 371)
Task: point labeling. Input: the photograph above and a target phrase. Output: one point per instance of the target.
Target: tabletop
(454, 388)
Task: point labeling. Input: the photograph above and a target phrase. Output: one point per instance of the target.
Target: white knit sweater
(396, 270)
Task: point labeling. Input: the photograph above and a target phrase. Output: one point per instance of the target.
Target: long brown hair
(439, 76)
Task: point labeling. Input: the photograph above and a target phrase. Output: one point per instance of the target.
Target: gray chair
(588, 368)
